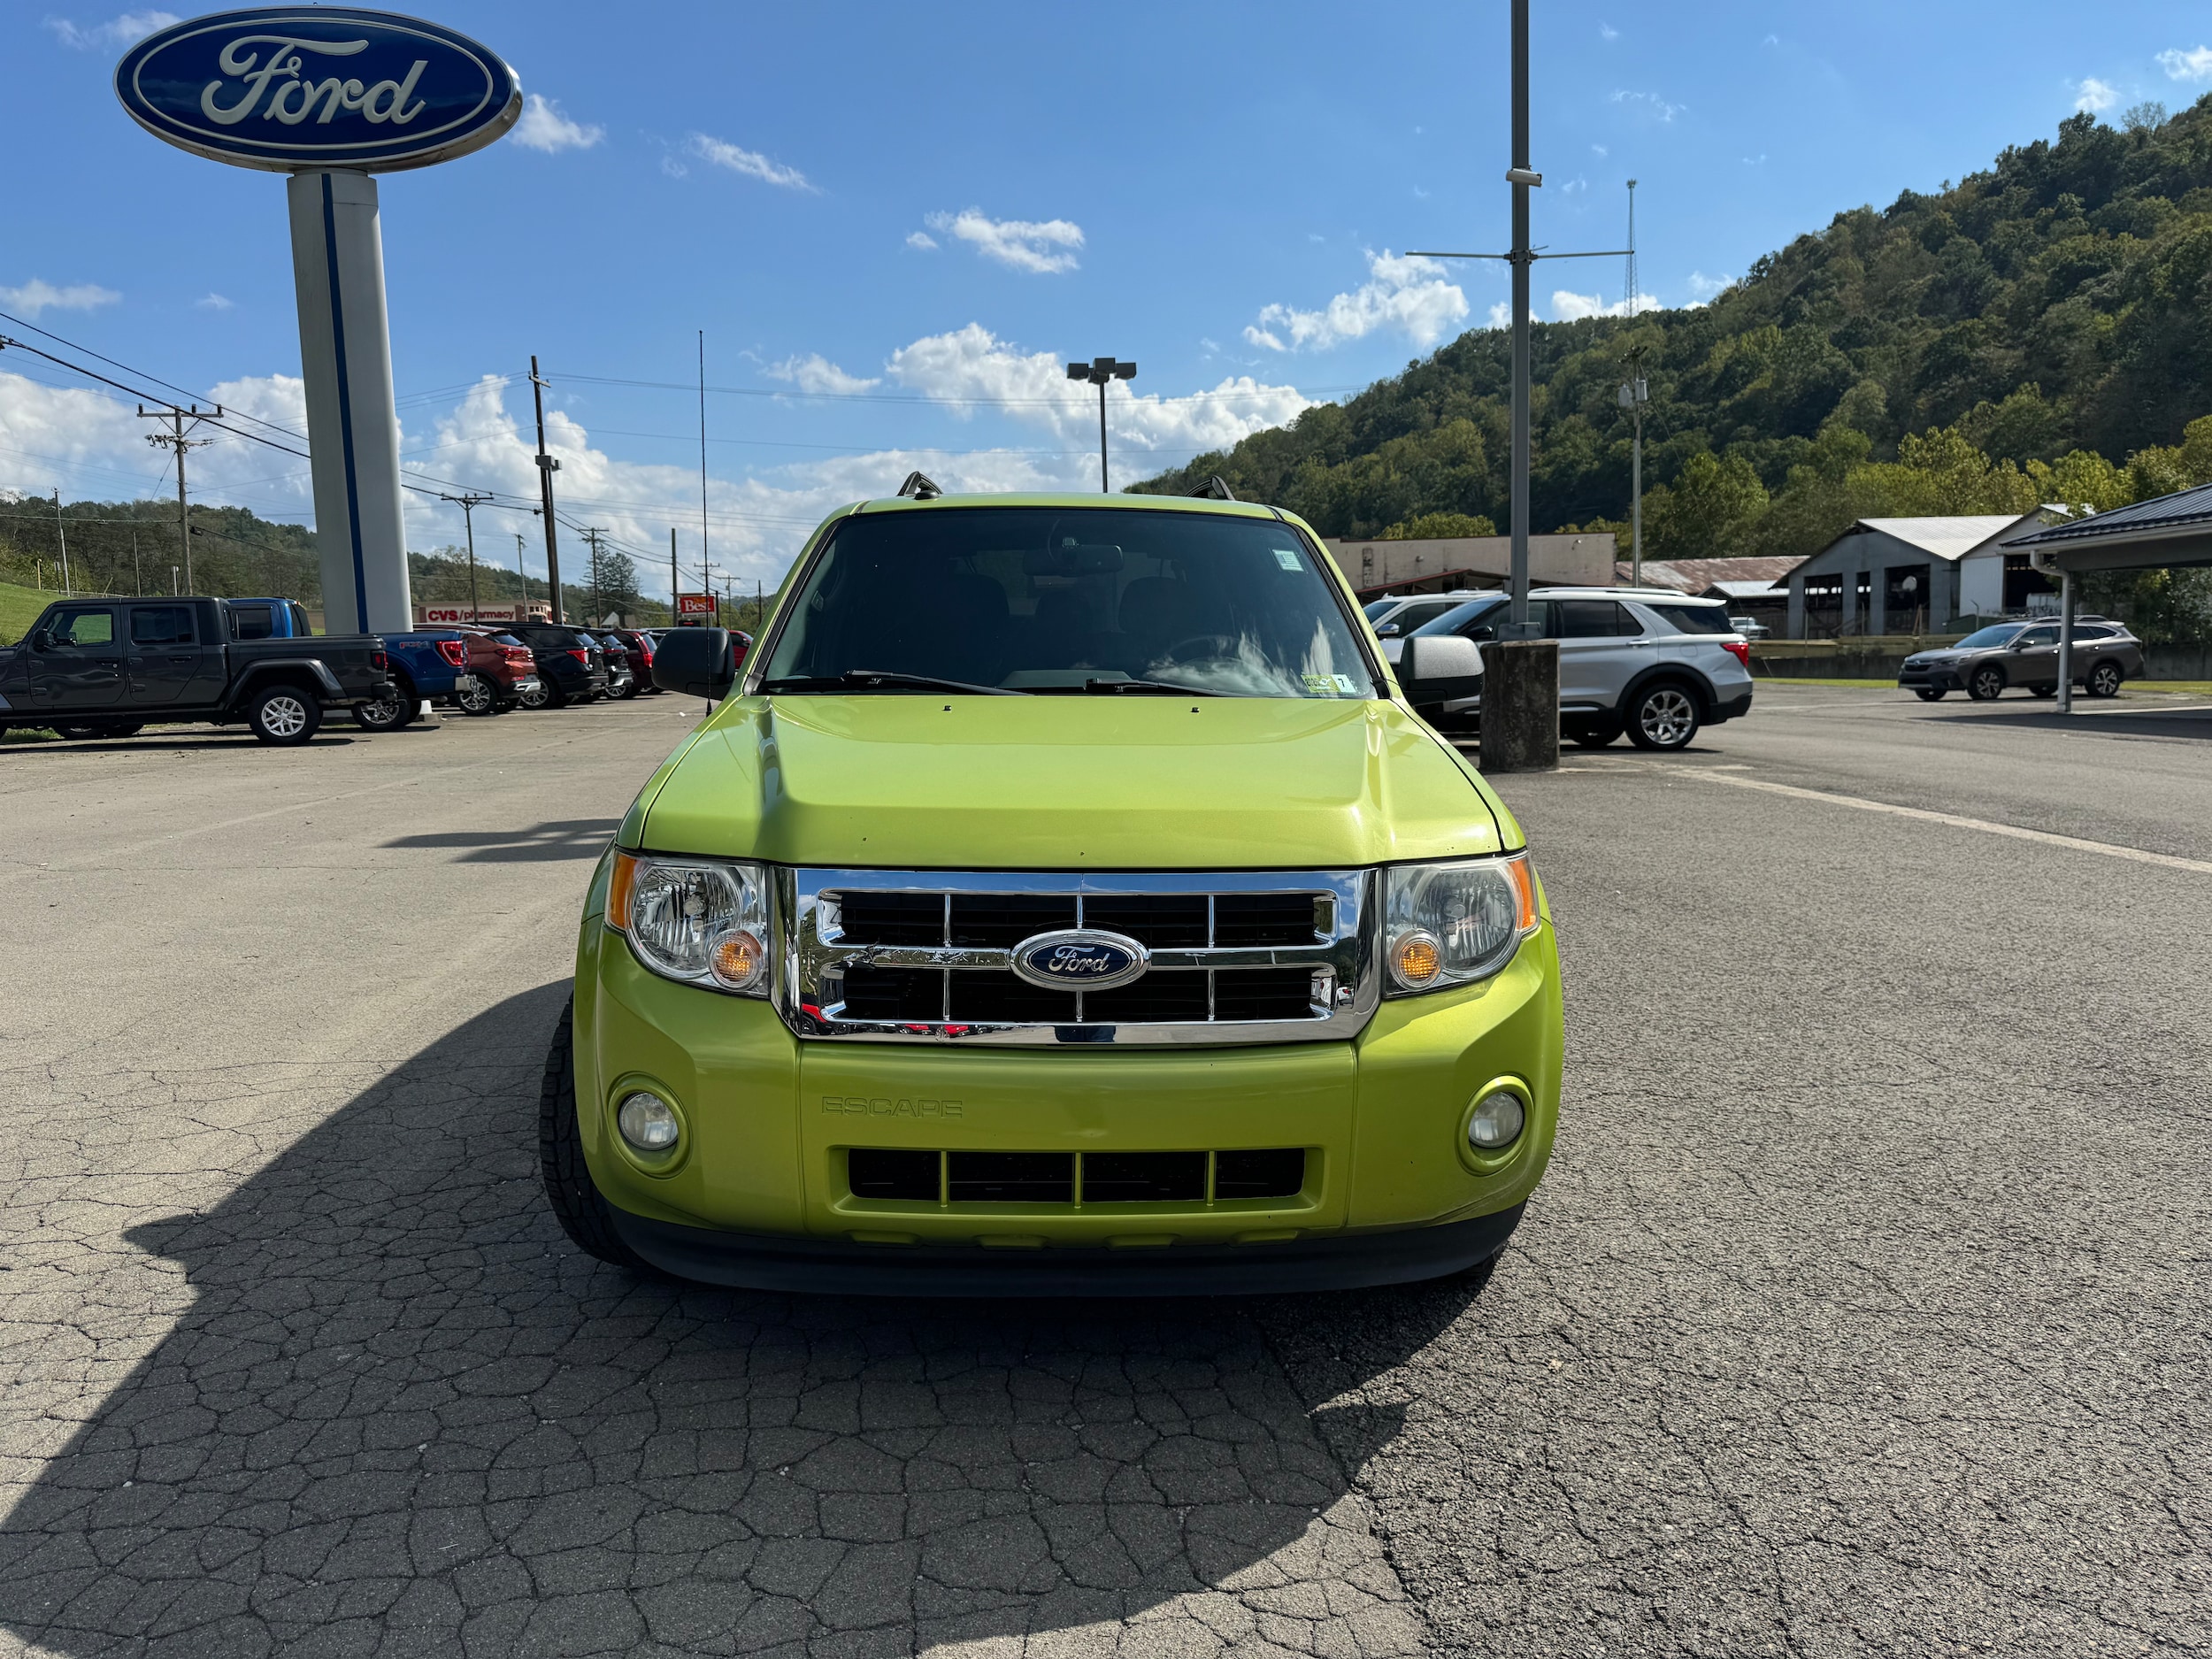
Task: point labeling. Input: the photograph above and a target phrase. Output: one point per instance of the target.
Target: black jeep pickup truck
(109, 667)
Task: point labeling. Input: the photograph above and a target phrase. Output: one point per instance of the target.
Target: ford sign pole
(332, 96)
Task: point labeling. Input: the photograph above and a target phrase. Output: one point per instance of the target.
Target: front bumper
(841, 1267)
(1929, 677)
(758, 1194)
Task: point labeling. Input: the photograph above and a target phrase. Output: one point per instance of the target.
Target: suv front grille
(899, 1176)
(902, 957)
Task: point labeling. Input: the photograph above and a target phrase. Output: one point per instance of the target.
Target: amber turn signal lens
(738, 960)
(1518, 872)
(620, 886)
(1416, 959)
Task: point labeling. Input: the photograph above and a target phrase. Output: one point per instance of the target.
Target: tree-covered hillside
(2024, 334)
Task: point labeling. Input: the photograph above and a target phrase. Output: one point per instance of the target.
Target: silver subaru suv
(1647, 661)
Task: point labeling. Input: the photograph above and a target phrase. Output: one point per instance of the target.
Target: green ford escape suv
(1065, 901)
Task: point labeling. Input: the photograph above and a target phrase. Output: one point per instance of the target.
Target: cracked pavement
(1863, 1310)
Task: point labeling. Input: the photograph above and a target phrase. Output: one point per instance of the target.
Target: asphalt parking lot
(1863, 1310)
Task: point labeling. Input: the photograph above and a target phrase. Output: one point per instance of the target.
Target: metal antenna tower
(1630, 307)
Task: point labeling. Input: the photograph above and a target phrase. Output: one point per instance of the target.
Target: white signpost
(332, 96)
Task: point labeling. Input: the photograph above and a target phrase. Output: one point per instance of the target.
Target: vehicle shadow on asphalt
(403, 1412)
(556, 838)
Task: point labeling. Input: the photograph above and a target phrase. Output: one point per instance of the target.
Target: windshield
(1048, 599)
(1459, 616)
(1374, 609)
(1983, 639)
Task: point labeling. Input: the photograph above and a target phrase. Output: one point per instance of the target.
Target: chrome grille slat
(825, 917)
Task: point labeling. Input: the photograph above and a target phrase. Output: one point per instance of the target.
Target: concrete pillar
(1794, 628)
(352, 428)
(1877, 600)
(1520, 705)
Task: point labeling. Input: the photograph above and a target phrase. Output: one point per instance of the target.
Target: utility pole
(547, 467)
(703, 447)
(1098, 372)
(174, 439)
(62, 530)
(138, 584)
(1635, 392)
(593, 535)
(675, 581)
(468, 501)
(523, 574)
(1628, 308)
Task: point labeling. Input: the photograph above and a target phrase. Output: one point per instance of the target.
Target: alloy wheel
(284, 714)
(1667, 717)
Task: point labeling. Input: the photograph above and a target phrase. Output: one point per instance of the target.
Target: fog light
(737, 961)
(1496, 1121)
(648, 1121)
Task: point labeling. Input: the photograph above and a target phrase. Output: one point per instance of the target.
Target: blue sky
(893, 222)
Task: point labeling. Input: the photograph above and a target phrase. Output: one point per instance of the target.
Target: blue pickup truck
(428, 665)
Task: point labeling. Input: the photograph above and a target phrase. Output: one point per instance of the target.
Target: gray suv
(1650, 662)
(2025, 654)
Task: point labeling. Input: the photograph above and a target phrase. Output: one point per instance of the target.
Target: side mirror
(41, 641)
(695, 662)
(1388, 631)
(1437, 667)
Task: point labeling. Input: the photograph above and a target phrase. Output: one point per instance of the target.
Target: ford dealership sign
(289, 89)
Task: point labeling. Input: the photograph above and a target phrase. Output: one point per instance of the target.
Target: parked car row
(107, 667)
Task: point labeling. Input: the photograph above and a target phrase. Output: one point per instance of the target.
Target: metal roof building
(1881, 567)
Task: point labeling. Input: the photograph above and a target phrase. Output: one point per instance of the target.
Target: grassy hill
(19, 608)
(2040, 331)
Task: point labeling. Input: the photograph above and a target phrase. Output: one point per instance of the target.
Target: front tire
(478, 699)
(1987, 684)
(2105, 679)
(1663, 717)
(576, 1204)
(285, 715)
(1929, 694)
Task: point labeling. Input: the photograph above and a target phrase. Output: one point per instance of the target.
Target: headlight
(1449, 924)
(704, 921)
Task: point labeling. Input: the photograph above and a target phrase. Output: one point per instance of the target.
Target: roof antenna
(921, 486)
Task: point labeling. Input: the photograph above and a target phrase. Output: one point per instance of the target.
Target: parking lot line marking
(2134, 855)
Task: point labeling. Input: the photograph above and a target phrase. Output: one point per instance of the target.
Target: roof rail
(1214, 488)
(921, 486)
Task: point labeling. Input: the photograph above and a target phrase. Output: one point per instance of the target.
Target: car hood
(1939, 656)
(1059, 783)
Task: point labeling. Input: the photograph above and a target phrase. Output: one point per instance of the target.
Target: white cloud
(1651, 101)
(922, 240)
(127, 30)
(750, 162)
(1501, 315)
(2193, 65)
(1041, 247)
(1403, 292)
(815, 372)
(37, 295)
(1759, 160)
(674, 168)
(1707, 287)
(1600, 151)
(213, 302)
(1607, 31)
(1568, 307)
(543, 126)
(93, 445)
(1574, 184)
(2094, 95)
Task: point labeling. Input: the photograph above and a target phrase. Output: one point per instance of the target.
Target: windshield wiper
(1157, 687)
(869, 679)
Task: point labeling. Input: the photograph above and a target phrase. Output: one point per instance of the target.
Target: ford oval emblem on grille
(1079, 959)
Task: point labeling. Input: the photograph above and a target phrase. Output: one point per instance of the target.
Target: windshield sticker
(1288, 559)
(1344, 684)
(1328, 685)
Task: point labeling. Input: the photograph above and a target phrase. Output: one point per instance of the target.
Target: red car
(504, 668)
(640, 646)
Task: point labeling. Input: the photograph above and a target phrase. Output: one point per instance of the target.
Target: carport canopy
(2167, 532)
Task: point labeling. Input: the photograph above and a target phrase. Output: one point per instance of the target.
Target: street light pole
(547, 467)
(468, 501)
(1522, 179)
(1098, 372)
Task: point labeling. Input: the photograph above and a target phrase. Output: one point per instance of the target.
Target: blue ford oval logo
(1079, 959)
(290, 88)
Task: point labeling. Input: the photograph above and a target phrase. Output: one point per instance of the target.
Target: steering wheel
(1174, 653)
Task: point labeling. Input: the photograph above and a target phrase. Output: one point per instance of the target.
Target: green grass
(19, 608)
